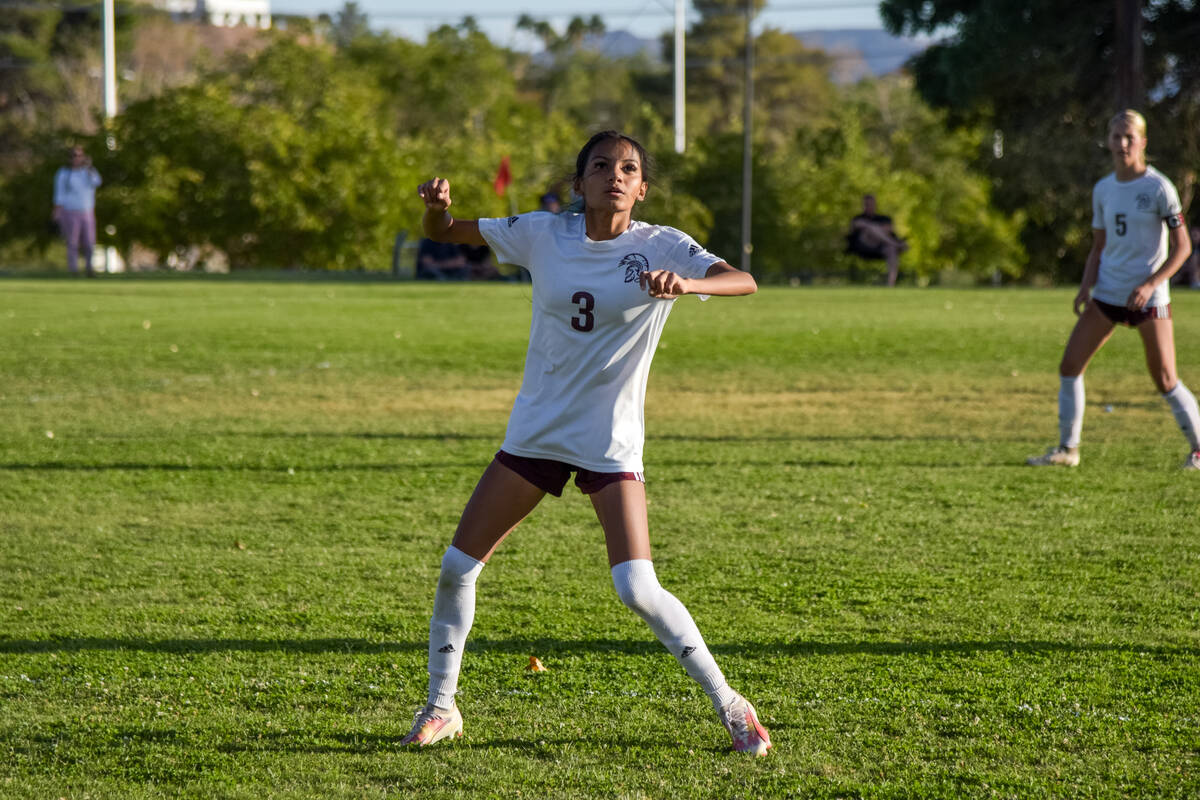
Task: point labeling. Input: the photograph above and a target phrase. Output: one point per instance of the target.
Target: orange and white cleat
(749, 736)
(432, 724)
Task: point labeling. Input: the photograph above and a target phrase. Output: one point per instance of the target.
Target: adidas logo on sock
(447, 649)
(687, 651)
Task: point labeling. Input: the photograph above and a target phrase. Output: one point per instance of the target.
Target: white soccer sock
(453, 613)
(1070, 410)
(639, 589)
(1187, 413)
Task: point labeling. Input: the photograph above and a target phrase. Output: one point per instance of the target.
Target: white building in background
(226, 13)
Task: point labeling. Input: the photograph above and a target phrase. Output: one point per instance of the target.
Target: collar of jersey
(1143, 176)
(607, 244)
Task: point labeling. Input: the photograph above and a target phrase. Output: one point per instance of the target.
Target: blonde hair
(1131, 118)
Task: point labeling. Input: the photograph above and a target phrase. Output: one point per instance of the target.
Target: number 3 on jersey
(585, 320)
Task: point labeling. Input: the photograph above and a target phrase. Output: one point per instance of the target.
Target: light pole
(679, 75)
(748, 142)
(111, 261)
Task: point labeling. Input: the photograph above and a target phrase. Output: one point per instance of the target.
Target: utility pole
(1130, 81)
(748, 141)
(110, 62)
(679, 82)
(111, 261)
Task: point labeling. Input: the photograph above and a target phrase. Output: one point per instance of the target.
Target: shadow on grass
(111, 280)
(650, 437)
(458, 436)
(864, 459)
(538, 746)
(134, 466)
(577, 647)
(373, 742)
(478, 465)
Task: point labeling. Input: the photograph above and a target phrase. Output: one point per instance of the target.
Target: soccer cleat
(1056, 457)
(432, 724)
(1192, 462)
(749, 736)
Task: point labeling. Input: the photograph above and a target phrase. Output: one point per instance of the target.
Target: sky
(644, 18)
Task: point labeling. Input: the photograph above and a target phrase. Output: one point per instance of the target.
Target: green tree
(879, 138)
(578, 29)
(594, 91)
(458, 107)
(350, 24)
(286, 161)
(49, 66)
(791, 81)
(1041, 76)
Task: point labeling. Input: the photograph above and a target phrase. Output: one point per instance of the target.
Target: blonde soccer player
(603, 285)
(1139, 241)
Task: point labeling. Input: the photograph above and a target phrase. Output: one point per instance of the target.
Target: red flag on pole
(503, 177)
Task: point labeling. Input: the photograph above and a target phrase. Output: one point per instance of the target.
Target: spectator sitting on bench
(871, 236)
(440, 261)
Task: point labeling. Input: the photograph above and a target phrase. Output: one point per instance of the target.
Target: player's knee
(637, 589)
(635, 598)
(458, 569)
(1069, 369)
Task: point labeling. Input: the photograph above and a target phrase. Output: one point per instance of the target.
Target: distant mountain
(863, 51)
(623, 44)
(858, 52)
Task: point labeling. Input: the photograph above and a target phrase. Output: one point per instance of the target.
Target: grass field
(223, 505)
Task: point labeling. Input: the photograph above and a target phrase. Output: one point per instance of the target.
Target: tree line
(301, 147)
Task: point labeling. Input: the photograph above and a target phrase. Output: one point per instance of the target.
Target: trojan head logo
(1144, 201)
(635, 264)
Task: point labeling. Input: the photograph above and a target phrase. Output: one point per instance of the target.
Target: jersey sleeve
(687, 258)
(1097, 208)
(1169, 207)
(512, 238)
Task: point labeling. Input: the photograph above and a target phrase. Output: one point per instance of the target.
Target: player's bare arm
(437, 222)
(721, 280)
(1091, 271)
(1179, 249)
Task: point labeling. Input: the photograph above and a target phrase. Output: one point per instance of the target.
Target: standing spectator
(75, 208)
(872, 236)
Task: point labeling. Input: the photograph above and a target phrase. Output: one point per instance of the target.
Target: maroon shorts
(1120, 315)
(551, 476)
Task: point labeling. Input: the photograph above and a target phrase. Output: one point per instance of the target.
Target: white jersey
(1132, 214)
(593, 334)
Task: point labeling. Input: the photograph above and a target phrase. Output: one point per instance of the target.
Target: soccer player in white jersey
(1139, 241)
(603, 285)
